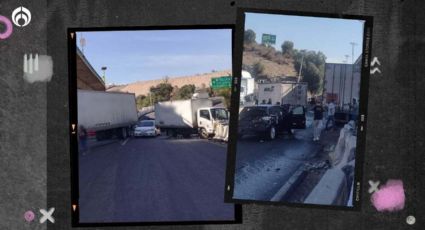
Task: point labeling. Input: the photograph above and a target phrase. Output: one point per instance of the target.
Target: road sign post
(268, 39)
(221, 82)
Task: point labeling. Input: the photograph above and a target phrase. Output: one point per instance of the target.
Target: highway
(153, 179)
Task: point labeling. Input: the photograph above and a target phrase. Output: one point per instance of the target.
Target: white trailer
(190, 116)
(247, 87)
(342, 83)
(292, 93)
(106, 113)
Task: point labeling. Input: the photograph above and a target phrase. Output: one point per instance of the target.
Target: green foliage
(313, 68)
(161, 92)
(249, 36)
(185, 92)
(142, 101)
(226, 93)
(257, 70)
(288, 48)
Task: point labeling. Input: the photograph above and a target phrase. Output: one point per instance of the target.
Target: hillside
(142, 87)
(275, 64)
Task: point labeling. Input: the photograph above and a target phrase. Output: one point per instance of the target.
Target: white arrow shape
(375, 70)
(374, 61)
(73, 127)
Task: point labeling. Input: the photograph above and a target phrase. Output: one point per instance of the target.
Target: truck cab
(209, 118)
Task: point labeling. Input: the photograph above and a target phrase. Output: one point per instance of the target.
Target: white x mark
(47, 215)
(373, 186)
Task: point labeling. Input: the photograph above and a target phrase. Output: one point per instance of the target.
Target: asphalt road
(154, 179)
(263, 167)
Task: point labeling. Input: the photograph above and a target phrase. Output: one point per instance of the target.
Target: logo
(37, 68)
(21, 16)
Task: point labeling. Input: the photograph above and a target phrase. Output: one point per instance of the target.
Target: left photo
(153, 116)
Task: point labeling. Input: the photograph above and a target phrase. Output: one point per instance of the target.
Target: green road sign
(268, 39)
(221, 82)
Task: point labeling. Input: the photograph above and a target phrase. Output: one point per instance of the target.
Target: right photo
(299, 109)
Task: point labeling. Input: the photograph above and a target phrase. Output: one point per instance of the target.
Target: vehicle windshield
(146, 124)
(219, 114)
(253, 112)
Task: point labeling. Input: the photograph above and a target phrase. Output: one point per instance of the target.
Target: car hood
(144, 128)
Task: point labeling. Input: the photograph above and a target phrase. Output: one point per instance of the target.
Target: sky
(132, 56)
(332, 36)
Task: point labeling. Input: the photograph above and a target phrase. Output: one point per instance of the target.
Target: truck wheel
(271, 135)
(203, 134)
(123, 133)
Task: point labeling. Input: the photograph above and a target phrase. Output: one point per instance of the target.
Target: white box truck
(106, 114)
(192, 116)
(291, 93)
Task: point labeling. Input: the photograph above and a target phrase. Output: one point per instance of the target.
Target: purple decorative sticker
(29, 216)
(9, 28)
(390, 197)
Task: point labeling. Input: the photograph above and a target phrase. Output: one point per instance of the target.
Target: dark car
(269, 120)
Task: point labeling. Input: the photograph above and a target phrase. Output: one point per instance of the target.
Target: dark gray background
(34, 117)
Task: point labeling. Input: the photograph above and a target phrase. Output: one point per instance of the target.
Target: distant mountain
(142, 87)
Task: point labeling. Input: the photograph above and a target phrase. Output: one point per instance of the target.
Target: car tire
(271, 134)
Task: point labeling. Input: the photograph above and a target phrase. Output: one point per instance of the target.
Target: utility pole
(352, 51)
(346, 58)
(301, 68)
(104, 77)
(352, 68)
(82, 43)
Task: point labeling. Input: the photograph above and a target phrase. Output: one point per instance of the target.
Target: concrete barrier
(334, 187)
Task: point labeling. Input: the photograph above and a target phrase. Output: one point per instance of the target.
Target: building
(87, 77)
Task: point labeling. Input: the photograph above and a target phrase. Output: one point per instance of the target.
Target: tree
(257, 69)
(249, 36)
(161, 92)
(288, 48)
(185, 92)
(142, 101)
(226, 93)
(313, 68)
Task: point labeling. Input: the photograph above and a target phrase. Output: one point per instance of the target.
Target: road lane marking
(215, 143)
(125, 141)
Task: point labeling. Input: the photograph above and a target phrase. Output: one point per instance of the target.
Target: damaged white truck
(192, 116)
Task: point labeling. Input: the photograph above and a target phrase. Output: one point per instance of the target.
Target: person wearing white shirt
(331, 114)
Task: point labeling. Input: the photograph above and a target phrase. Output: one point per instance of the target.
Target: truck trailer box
(342, 83)
(179, 113)
(100, 110)
(293, 93)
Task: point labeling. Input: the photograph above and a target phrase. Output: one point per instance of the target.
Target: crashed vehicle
(267, 121)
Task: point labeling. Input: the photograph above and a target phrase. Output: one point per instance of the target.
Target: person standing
(82, 136)
(331, 114)
(318, 117)
(354, 110)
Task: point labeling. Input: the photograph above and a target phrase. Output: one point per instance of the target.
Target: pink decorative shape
(390, 197)
(9, 27)
(29, 216)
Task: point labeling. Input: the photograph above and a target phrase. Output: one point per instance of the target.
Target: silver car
(146, 128)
